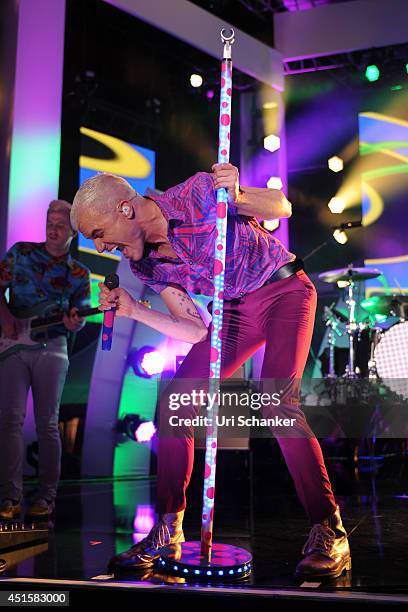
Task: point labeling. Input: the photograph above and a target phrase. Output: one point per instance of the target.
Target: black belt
(286, 271)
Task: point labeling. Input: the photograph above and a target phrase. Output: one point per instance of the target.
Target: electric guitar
(37, 319)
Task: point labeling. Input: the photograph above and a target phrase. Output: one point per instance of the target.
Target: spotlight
(335, 164)
(135, 428)
(274, 182)
(340, 236)
(145, 431)
(146, 362)
(152, 363)
(196, 80)
(337, 205)
(372, 73)
(406, 68)
(271, 143)
(210, 94)
(271, 225)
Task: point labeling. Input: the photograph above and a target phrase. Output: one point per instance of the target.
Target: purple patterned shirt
(253, 253)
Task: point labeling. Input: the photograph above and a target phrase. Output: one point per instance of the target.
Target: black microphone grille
(111, 281)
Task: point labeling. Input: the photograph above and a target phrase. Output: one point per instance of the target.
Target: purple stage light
(147, 361)
(144, 519)
(210, 94)
(36, 137)
(152, 363)
(303, 5)
(145, 431)
(136, 428)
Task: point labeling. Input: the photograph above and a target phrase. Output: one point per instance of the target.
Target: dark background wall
(131, 80)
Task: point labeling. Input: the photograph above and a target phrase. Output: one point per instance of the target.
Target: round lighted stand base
(227, 563)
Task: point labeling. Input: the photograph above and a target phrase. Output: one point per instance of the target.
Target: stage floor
(256, 508)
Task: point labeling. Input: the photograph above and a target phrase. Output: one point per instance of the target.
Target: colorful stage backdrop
(384, 180)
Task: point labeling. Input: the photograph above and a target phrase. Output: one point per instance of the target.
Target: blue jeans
(45, 371)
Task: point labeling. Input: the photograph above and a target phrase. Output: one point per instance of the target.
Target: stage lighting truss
(383, 65)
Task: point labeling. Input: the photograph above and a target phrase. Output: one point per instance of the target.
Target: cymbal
(347, 274)
(384, 304)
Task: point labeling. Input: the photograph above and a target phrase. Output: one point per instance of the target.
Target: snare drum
(391, 358)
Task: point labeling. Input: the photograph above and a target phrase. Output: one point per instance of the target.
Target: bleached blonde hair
(100, 194)
(60, 206)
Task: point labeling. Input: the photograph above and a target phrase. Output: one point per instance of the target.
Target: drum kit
(385, 355)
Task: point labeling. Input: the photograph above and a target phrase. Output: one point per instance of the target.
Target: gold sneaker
(167, 530)
(9, 509)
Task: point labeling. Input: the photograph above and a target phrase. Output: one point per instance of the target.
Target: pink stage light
(152, 363)
(147, 361)
(144, 519)
(145, 431)
(136, 428)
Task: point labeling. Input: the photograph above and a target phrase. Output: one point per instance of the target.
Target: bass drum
(391, 358)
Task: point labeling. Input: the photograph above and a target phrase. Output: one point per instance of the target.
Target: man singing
(37, 274)
(268, 298)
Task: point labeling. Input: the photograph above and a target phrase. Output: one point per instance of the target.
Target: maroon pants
(281, 315)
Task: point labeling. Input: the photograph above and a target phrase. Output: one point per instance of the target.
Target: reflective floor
(256, 508)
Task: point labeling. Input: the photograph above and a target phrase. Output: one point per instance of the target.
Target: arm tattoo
(182, 296)
(185, 299)
(193, 313)
(179, 293)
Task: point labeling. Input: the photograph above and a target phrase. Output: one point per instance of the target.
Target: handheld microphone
(112, 282)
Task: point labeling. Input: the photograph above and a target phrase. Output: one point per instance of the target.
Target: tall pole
(227, 38)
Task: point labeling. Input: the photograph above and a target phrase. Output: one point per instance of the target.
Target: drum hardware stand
(332, 346)
(351, 275)
(351, 327)
(372, 365)
(332, 322)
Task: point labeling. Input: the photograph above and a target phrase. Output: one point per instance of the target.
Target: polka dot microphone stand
(227, 37)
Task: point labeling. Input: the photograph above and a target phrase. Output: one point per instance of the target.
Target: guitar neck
(57, 318)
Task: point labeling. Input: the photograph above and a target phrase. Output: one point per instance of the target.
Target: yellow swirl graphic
(385, 118)
(376, 204)
(127, 160)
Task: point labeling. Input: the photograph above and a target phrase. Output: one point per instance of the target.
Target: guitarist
(35, 274)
